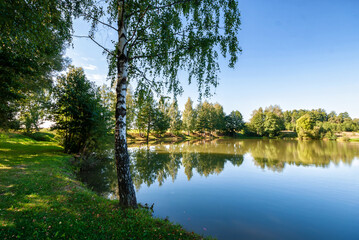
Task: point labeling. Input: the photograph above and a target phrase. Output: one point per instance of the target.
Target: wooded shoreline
(135, 138)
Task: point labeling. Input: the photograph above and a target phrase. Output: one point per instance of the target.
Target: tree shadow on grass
(40, 199)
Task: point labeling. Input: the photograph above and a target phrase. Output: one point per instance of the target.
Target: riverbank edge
(135, 139)
(40, 198)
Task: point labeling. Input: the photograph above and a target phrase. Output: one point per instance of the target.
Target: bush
(346, 139)
(41, 136)
(330, 136)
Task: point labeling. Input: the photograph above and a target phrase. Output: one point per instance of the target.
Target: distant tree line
(162, 115)
(83, 115)
(313, 124)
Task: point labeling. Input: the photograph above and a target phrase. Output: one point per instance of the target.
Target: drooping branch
(103, 23)
(135, 30)
(143, 75)
(98, 44)
(152, 56)
(159, 54)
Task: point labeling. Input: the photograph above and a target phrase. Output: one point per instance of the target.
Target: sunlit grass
(41, 199)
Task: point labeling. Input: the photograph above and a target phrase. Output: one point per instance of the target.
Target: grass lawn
(41, 199)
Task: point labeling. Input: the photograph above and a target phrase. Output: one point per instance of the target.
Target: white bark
(127, 195)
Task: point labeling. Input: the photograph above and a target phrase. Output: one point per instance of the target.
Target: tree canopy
(164, 37)
(81, 117)
(156, 40)
(33, 36)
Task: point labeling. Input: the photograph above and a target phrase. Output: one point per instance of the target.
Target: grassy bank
(40, 199)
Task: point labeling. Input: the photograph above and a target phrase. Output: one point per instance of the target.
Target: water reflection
(162, 162)
(275, 154)
(220, 186)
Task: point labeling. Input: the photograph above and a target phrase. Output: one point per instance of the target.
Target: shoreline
(42, 199)
(136, 139)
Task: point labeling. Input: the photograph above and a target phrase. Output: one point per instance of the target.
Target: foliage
(161, 122)
(270, 122)
(330, 135)
(34, 109)
(204, 117)
(219, 122)
(305, 127)
(257, 122)
(234, 122)
(81, 119)
(165, 37)
(145, 112)
(189, 117)
(174, 116)
(33, 36)
(156, 40)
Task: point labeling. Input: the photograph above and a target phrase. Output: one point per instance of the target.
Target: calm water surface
(247, 189)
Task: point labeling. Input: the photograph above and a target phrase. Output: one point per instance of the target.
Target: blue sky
(296, 53)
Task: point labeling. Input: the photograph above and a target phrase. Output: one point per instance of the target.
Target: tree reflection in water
(162, 162)
(275, 154)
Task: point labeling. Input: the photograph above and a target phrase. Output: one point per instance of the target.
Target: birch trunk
(126, 191)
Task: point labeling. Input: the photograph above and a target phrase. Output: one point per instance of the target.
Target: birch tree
(156, 40)
(174, 115)
(188, 117)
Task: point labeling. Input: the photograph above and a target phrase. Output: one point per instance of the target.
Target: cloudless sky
(299, 54)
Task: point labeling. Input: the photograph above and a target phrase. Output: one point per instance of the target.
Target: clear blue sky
(296, 53)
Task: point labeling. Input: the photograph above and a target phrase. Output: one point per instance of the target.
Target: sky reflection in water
(248, 189)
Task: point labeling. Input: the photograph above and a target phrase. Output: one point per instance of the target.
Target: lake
(247, 189)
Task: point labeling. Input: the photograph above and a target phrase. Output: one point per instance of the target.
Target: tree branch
(97, 20)
(144, 76)
(108, 51)
(135, 30)
(151, 56)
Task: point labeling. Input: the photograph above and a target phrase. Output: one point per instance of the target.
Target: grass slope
(40, 199)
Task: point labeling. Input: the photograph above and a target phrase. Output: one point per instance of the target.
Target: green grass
(40, 199)
(354, 140)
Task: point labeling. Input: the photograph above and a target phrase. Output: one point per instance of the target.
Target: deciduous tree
(33, 36)
(156, 40)
(234, 122)
(188, 117)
